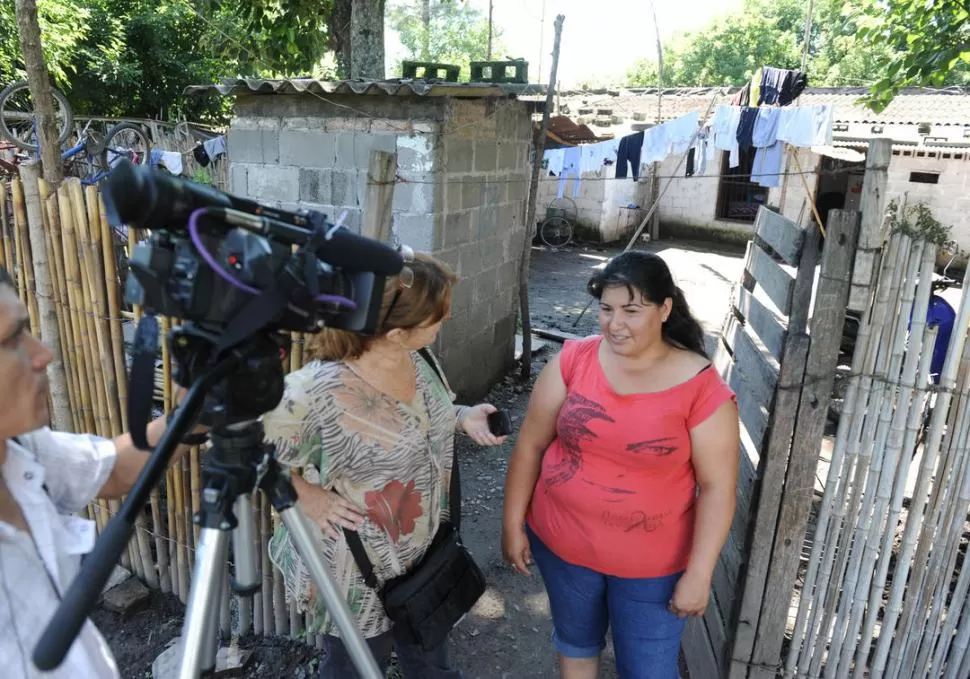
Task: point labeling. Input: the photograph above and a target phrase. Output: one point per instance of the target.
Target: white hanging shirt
(806, 126)
(36, 568)
(594, 156)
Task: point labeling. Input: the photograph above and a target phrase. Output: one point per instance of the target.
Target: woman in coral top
(621, 485)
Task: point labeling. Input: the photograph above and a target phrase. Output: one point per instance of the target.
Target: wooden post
(530, 212)
(871, 232)
(381, 176)
(61, 416)
(826, 331)
(774, 459)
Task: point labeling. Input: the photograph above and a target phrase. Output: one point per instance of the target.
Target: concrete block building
(463, 173)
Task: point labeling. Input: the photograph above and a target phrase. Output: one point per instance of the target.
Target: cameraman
(46, 477)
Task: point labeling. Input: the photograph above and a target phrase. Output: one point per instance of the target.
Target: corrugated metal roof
(909, 149)
(393, 88)
(911, 107)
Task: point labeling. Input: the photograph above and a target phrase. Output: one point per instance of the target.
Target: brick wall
(480, 231)
(461, 195)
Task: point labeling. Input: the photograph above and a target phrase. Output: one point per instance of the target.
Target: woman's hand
(474, 422)
(690, 595)
(328, 510)
(516, 550)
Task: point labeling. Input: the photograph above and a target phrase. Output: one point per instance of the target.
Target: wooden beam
(696, 645)
(767, 326)
(775, 281)
(381, 177)
(782, 234)
(826, 330)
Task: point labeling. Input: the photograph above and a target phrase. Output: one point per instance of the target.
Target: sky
(600, 37)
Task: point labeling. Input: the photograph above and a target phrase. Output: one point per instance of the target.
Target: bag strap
(454, 501)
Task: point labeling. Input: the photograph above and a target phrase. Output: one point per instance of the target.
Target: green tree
(446, 32)
(924, 42)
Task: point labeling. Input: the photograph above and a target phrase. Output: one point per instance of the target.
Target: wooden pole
(25, 269)
(381, 177)
(530, 213)
(39, 83)
(655, 180)
(44, 292)
(872, 232)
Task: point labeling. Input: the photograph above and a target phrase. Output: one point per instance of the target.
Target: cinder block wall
(461, 194)
(480, 230)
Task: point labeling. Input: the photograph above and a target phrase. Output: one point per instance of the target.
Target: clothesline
(732, 128)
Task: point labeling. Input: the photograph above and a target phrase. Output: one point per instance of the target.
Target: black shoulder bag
(428, 601)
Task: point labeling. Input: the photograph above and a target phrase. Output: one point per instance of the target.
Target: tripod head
(242, 275)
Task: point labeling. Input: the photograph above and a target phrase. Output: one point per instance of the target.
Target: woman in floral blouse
(372, 425)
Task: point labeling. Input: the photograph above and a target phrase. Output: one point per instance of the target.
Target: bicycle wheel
(17, 116)
(556, 232)
(125, 140)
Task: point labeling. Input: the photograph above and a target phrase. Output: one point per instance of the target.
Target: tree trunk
(340, 35)
(39, 82)
(426, 30)
(530, 212)
(367, 39)
(40, 92)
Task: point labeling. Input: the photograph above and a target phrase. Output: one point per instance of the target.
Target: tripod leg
(245, 580)
(213, 636)
(197, 636)
(356, 646)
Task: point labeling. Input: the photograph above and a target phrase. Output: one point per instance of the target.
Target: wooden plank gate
(783, 381)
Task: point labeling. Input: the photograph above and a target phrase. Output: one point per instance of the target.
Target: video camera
(241, 276)
(238, 271)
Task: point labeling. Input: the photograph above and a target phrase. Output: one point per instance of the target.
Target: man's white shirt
(51, 475)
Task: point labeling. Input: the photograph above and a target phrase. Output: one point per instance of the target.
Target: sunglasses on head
(405, 279)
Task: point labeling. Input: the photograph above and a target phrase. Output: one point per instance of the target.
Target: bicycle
(18, 125)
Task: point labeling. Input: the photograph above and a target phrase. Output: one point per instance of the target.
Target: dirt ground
(507, 634)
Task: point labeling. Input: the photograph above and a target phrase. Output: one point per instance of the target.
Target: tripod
(239, 463)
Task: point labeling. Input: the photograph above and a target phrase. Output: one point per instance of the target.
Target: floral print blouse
(392, 458)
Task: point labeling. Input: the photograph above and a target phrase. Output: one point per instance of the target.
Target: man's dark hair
(5, 278)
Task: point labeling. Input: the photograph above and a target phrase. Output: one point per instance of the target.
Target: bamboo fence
(93, 322)
(884, 590)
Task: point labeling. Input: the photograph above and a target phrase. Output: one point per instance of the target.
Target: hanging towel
(554, 160)
(806, 126)
(570, 167)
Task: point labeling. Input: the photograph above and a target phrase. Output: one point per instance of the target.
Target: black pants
(415, 662)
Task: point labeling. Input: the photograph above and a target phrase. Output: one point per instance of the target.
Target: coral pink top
(616, 491)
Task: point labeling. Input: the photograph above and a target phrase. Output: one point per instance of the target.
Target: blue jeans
(415, 662)
(584, 603)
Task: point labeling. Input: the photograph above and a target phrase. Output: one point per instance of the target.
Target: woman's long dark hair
(648, 274)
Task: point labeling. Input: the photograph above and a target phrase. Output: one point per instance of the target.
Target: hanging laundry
(749, 115)
(766, 169)
(680, 132)
(755, 96)
(629, 152)
(795, 83)
(703, 147)
(595, 156)
(689, 172)
(170, 160)
(655, 144)
(743, 96)
(724, 127)
(553, 160)
(570, 167)
(215, 147)
(806, 126)
(781, 86)
(201, 157)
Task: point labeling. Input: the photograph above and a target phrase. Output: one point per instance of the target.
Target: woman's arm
(715, 445)
(538, 430)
